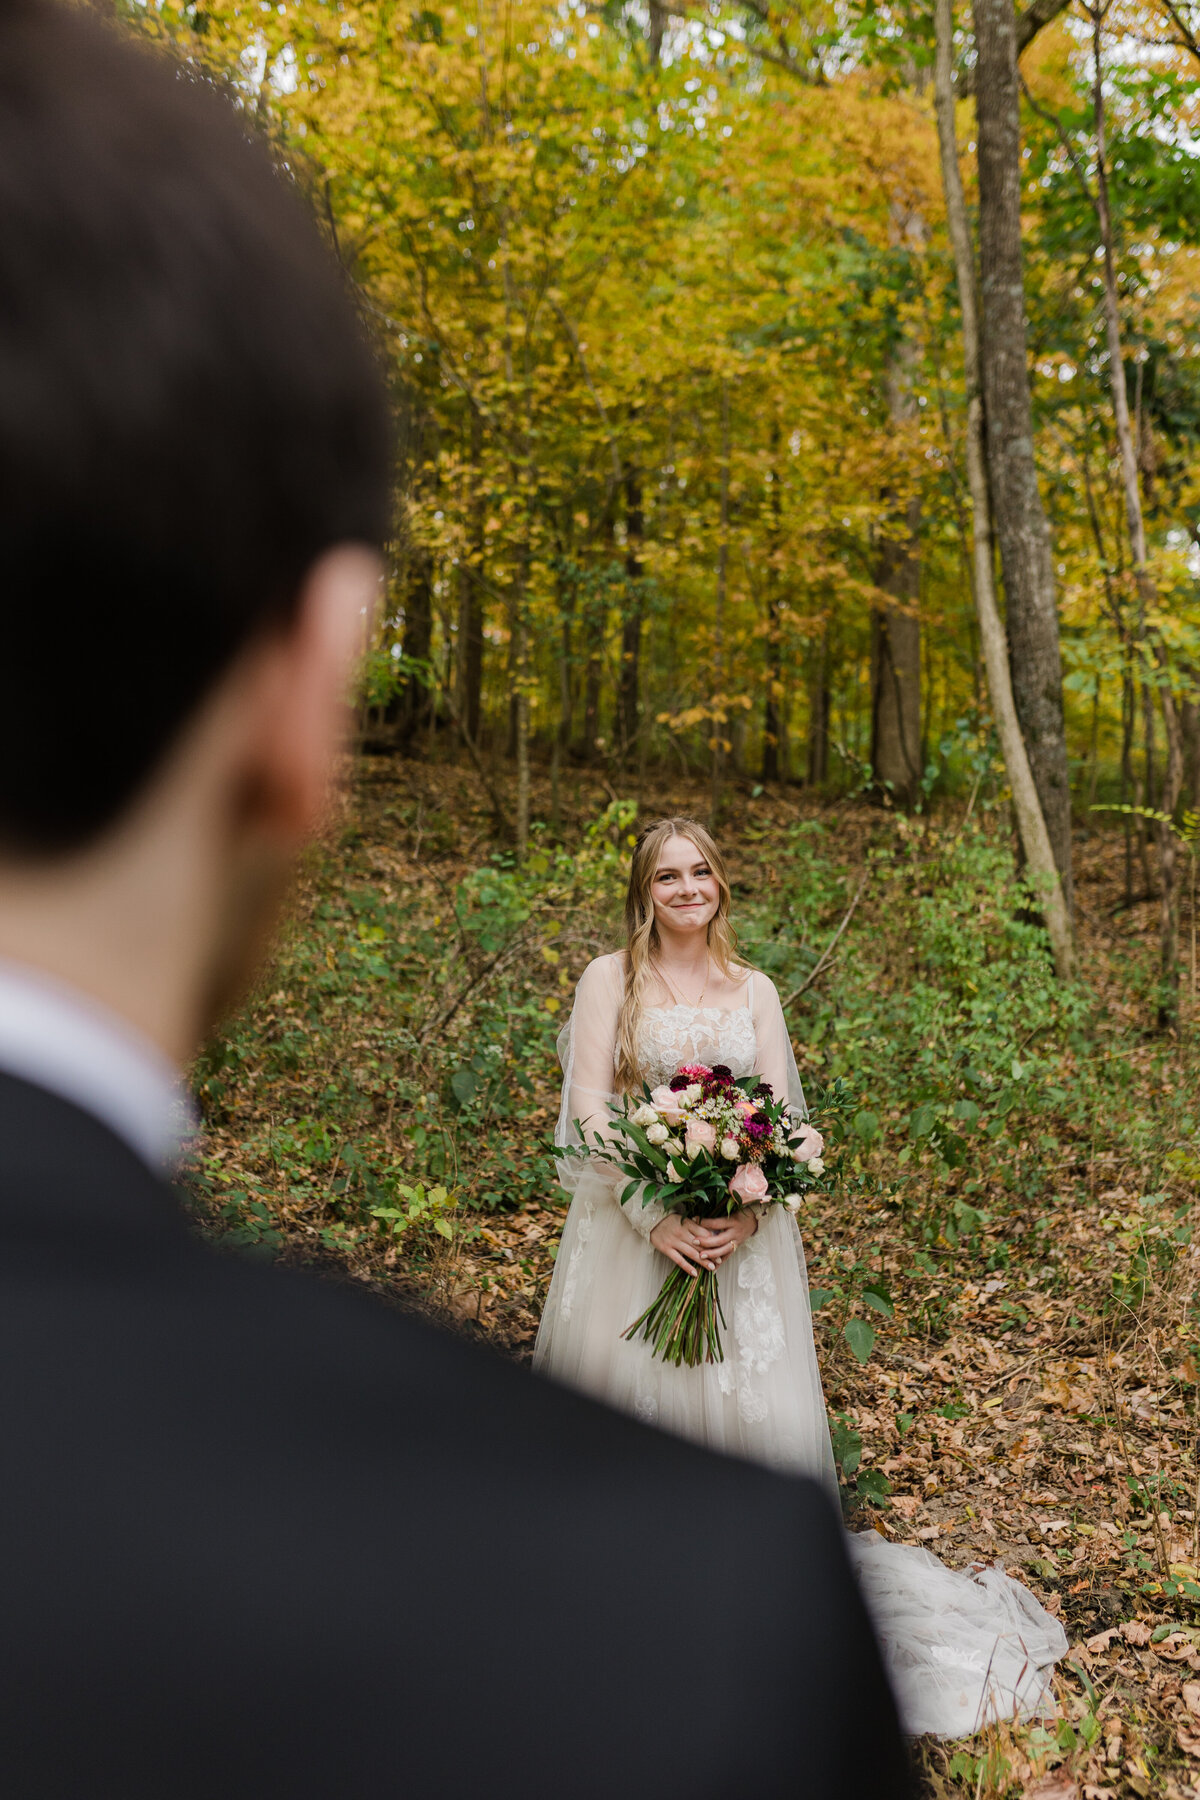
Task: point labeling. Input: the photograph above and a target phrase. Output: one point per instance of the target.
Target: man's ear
(305, 686)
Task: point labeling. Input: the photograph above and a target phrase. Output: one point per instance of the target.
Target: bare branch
(827, 955)
(1037, 15)
(1052, 119)
(1187, 37)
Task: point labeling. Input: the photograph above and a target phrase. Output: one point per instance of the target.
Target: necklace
(670, 985)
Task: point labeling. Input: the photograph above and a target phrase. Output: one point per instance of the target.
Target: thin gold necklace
(674, 990)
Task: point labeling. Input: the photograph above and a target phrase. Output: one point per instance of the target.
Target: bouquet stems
(683, 1321)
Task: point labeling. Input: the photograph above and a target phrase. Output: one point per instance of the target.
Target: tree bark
(561, 741)
(520, 700)
(716, 772)
(1020, 519)
(895, 623)
(896, 667)
(818, 710)
(1189, 719)
(658, 23)
(469, 667)
(417, 642)
(629, 697)
(1031, 823)
(1168, 844)
(593, 633)
(774, 756)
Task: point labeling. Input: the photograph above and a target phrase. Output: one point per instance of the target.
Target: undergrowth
(1003, 1287)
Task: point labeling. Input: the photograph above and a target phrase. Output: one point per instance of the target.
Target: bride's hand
(726, 1234)
(680, 1239)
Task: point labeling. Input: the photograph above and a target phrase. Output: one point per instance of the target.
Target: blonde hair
(641, 933)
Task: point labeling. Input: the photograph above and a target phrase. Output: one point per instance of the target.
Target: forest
(798, 426)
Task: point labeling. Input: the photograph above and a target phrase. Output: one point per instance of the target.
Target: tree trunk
(1189, 721)
(818, 710)
(1127, 787)
(520, 700)
(593, 630)
(514, 672)
(716, 772)
(1168, 845)
(1031, 822)
(1021, 528)
(561, 744)
(418, 640)
(774, 756)
(896, 667)
(469, 668)
(895, 623)
(628, 700)
(658, 22)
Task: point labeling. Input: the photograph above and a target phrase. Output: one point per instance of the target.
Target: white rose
(643, 1115)
(674, 1174)
(658, 1133)
(692, 1094)
(675, 1146)
(793, 1202)
(730, 1149)
(816, 1166)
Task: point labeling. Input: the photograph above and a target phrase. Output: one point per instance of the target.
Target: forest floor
(1032, 1400)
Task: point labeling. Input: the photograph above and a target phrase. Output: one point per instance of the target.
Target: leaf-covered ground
(1015, 1225)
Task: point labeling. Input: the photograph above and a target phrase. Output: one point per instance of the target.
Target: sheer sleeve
(587, 1052)
(774, 1055)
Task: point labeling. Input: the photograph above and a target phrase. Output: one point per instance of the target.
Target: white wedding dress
(962, 1647)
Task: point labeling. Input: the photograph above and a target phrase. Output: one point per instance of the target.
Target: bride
(963, 1647)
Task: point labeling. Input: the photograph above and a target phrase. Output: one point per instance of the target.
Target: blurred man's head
(193, 484)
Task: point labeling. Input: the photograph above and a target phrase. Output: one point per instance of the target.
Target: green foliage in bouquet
(704, 1146)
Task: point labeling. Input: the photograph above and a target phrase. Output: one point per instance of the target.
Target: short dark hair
(190, 412)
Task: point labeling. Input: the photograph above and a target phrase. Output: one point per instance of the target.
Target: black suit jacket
(260, 1537)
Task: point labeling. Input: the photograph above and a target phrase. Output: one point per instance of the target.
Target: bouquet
(704, 1145)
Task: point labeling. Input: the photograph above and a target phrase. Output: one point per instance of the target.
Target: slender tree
(1147, 596)
(1022, 530)
(1031, 824)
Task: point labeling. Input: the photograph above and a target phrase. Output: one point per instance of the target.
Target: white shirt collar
(62, 1040)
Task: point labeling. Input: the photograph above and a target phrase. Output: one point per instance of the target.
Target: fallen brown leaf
(1051, 1787)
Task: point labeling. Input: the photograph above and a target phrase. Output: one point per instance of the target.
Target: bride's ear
(301, 688)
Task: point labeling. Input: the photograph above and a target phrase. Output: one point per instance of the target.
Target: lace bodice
(671, 1035)
(751, 1039)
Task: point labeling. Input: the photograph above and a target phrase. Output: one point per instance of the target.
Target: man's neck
(65, 1041)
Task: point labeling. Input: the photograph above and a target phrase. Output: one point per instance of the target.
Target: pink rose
(749, 1183)
(811, 1144)
(700, 1135)
(665, 1102)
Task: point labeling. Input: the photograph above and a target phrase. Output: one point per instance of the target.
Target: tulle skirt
(963, 1647)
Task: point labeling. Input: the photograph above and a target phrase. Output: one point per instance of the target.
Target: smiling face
(684, 891)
